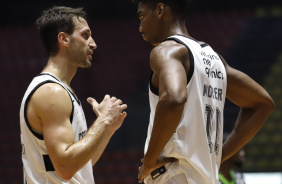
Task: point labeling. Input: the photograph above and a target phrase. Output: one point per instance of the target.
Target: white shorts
(173, 175)
(177, 179)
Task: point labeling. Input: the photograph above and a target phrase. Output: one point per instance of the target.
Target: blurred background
(247, 33)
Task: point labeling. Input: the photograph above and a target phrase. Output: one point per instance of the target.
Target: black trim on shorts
(158, 172)
(37, 134)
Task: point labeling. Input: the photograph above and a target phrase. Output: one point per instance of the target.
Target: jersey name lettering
(211, 92)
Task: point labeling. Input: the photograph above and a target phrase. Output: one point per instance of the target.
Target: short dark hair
(55, 20)
(178, 7)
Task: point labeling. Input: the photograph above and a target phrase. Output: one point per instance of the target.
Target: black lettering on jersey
(214, 73)
(23, 149)
(82, 134)
(212, 57)
(211, 92)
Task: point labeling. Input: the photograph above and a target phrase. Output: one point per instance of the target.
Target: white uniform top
(197, 141)
(37, 165)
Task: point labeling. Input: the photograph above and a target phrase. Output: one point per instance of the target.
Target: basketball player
(187, 91)
(57, 147)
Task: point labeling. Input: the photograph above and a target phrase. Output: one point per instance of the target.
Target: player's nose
(140, 29)
(93, 44)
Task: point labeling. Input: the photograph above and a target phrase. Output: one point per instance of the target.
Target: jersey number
(209, 124)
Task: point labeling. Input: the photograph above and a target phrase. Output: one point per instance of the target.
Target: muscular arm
(106, 135)
(255, 103)
(52, 105)
(171, 79)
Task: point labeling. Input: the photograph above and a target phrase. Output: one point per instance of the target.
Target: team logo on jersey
(207, 60)
(209, 56)
(214, 73)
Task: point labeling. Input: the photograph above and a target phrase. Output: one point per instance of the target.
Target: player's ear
(63, 39)
(160, 9)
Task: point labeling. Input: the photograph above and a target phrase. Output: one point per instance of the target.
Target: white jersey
(197, 141)
(38, 168)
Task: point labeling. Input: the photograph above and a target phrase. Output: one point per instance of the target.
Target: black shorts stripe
(48, 163)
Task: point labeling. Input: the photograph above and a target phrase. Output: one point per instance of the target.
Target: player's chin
(89, 65)
(89, 57)
(86, 64)
(149, 41)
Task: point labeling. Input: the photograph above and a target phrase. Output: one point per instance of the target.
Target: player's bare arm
(255, 103)
(53, 107)
(111, 124)
(170, 77)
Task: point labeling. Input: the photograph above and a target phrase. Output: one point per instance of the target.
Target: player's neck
(61, 68)
(176, 27)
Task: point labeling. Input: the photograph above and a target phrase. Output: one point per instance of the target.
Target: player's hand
(145, 171)
(110, 110)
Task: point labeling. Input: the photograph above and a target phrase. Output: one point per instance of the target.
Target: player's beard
(79, 56)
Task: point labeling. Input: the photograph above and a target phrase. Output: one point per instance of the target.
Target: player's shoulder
(169, 46)
(51, 88)
(168, 49)
(50, 93)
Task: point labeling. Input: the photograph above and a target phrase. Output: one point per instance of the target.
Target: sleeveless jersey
(197, 141)
(37, 165)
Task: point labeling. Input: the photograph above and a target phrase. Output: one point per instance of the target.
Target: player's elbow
(65, 173)
(175, 99)
(265, 103)
(65, 169)
(268, 105)
(66, 176)
(180, 99)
